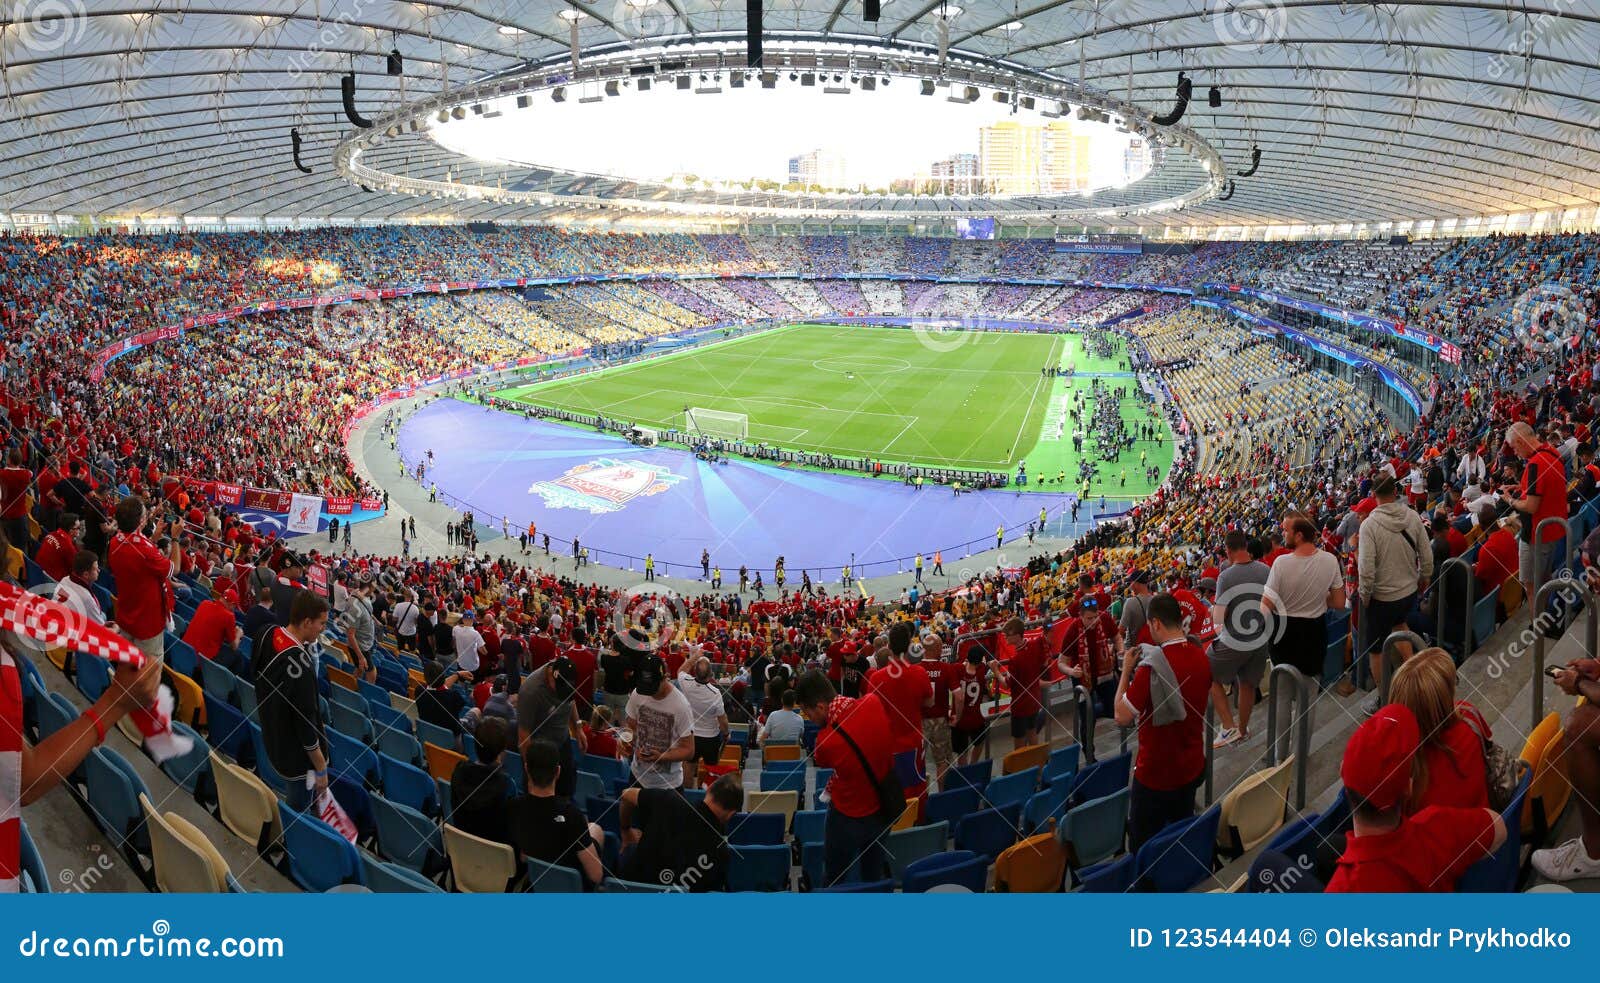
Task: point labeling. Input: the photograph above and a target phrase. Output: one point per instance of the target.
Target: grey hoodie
(1389, 565)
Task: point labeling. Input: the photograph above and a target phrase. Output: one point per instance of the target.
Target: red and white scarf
(10, 775)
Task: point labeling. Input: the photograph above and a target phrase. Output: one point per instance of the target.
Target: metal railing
(1538, 540)
(1084, 704)
(1541, 641)
(1283, 680)
(1211, 751)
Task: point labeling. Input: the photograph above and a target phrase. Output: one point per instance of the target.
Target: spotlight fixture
(965, 94)
(869, 83)
(644, 85)
(459, 112)
(769, 80)
(396, 64)
(927, 87)
(1214, 98)
(613, 88)
(808, 78)
(1225, 197)
(558, 94)
(1055, 109)
(523, 102)
(684, 82)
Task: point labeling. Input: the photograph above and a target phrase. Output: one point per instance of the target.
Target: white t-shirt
(658, 725)
(468, 641)
(705, 702)
(406, 614)
(1299, 585)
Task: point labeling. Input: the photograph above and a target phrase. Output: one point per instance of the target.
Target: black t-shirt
(681, 844)
(549, 828)
(478, 794)
(444, 639)
(619, 671)
(442, 708)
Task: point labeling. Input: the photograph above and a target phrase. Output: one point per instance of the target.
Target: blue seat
(809, 824)
(113, 792)
(348, 698)
(181, 656)
(1044, 805)
(229, 732)
(860, 887)
(373, 692)
(263, 764)
(1095, 830)
(962, 868)
(407, 837)
(813, 863)
(792, 780)
(588, 786)
(434, 734)
(820, 779)
(616, 885)
(781, 766)
(548, 878)
(613, 771)
(245, 692)
(1101, 779)
(386, 717)
(387, 878)
(1497, 874)
(319, 858)
(1483, 615)
(606, 813)
(400, 746)
(409, 785)
(55, 712)
(989, 831)
(952, 806)
(907, 846)
(35, 878)
(192, 771)
(1111, 877)
(1062, 764)
(91, 674)
(353, 723)
(35, 574)
(1297, 841)
(1013, 788)
(753, 867)
(695, 796)
(216, 680)
(352, 760)
(975, 776)
(1180, 856)
(756, 829)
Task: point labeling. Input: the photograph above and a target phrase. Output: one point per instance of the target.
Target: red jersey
(1172, 755)
(852, 790)
(541, 652)
(1025, 671)
(1090, 642)
(941, 676)
(1428, 852)
(14, 484)
(55, 554)
(1545, 476)
(211, 627)
(584, 661)
(974, 685)
(144, 594)
(903, 686)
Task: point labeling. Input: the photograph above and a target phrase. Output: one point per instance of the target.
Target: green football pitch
(960, 399)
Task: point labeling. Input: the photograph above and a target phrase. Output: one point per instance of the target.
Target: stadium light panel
(769, 80)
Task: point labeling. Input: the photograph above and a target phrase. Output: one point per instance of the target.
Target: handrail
(1280, 676)
(1541, 642)
(1439, 605)
(1084, 704)
(1211, 750)
(1538, 539)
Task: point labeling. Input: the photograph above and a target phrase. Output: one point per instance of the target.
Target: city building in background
(822, 168)
(1020, 158)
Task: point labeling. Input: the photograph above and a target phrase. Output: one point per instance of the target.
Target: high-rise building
(957, 174)
(819, 167)
(1135, 160)
(1021, 158)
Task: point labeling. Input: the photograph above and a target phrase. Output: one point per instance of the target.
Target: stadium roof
(1364, 112)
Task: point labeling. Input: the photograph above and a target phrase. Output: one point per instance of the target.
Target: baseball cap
(1377, 760)
(648, 675)
(231, 596)
(467, 615)
(566, 676)
(1136, 577)
(1207, 583)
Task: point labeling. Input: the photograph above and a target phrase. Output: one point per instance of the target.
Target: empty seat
(245, 804)
(989, 831)
(907, 846)
(1095, 830)
(548, 878)
(477, 865)
(441, 761)
(407, 837)
(1254, 809)
(783, 804)
(387, 878)
(319, 858)
(1181, 856)
(181, 866)
(409, 785)
(1023, 758)
(957, 868)
(1036, 865)
(753, 867)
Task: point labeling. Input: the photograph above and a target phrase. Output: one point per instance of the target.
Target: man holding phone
(1541, 495)
(1579, 857)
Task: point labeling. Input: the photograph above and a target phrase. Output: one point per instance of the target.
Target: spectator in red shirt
(1025, 671)
(1451, 769)
(1541, 495)
(1497, 557)
(585, 661)
(57, 550)
(1164, 688)
(15, 480)
(1388, 851)
(904, 687)
(541, 647)
(214, 632)
(143, 572)
(942, 677)
(856, 742)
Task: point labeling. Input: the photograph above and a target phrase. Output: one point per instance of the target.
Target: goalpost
(716, 423)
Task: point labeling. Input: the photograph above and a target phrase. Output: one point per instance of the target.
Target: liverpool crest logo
(604, 485)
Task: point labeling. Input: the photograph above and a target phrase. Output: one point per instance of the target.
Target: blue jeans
(853, 849)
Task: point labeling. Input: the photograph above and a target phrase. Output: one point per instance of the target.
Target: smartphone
(1552, 671)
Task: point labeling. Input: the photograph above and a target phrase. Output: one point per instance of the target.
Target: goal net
(716, 423)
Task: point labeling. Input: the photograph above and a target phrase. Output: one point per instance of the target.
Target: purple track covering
(621, 499)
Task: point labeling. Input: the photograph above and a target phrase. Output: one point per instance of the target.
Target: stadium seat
(35, 875)
(228, 731)
(407, 837)
(758, 868)
(989, 831)
(441, 737)
(1095, 830)
(784, 804)
(1498, 874)
(217, 681)
(340, 679)
(807, 826)
(92, 675)
(1061, 765)
(181, 864)
(791, 780)
(1012, 789)
(477, 865)
(951, 806)
(55, 712)
(1180, 856)
(860, 887)
(1101, 779)
(349, 698)
(190, 699)
(246, 693)
(1110, 877)
(1253, 810)
(319, 858)
(350, 759)
(409, 786)
(960, 868)
(442, 762)
(973, 776)
(1036, 865)
(181, 657)
(113, 794)
(1547, 795)
(907, 846)
(1024, 758)
(782, 752)
(385, 717)
(1049, 804)
(264, 768)
(548, 878)
(400, 746)
(387, 878)
(908, 816)
(588, 786)
(192, 771)
(758, 829)
(616, 885)
(246, 805)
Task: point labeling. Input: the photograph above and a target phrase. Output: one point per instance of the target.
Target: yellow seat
(779, 803)
(908, 817)
(339, 677)
(1023, 758)
(1254, 809)
(1545, 753)
(782, 752)
(1037, 865)
(1511, 595)
(191, 708)
(181, 866)
(58, 657)
(245, 804)
(441, 762)
(477, 865)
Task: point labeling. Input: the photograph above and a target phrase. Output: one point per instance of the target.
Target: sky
(737, 134)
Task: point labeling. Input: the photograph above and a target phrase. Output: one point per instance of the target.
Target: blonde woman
(1449, 769)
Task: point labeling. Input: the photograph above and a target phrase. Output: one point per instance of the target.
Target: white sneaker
(1567, 862)
(1226, 736)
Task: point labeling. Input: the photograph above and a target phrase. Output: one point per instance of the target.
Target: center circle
(855, 363)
